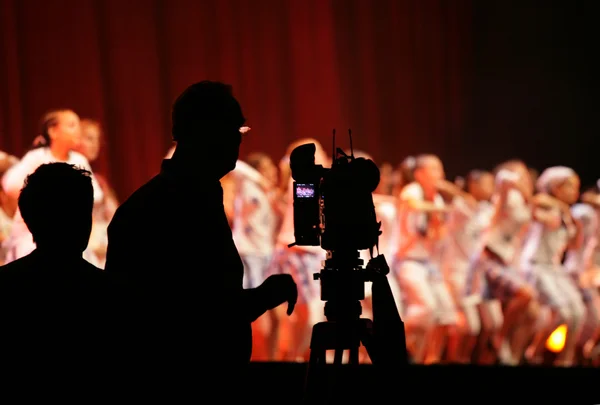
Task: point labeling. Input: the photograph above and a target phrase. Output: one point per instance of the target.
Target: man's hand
(277, 289)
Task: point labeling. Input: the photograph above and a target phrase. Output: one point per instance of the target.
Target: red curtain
(392, 70)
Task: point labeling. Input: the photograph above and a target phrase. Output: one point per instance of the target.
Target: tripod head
(343, 280)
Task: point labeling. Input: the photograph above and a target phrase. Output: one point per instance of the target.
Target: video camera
(334, 209)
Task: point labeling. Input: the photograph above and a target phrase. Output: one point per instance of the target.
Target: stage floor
(284, 383)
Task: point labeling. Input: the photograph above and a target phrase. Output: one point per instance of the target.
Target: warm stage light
(556, 341)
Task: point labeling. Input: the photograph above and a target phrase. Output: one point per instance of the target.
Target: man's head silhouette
(206, 126)
(56, 204)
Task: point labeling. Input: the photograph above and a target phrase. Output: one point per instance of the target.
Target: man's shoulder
(91, 268)
(144, 199)
(156, 186)
(94, 275)
(16, 267)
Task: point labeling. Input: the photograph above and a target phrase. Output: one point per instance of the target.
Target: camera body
(333, 208)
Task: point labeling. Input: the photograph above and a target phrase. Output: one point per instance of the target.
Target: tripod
(342, 287)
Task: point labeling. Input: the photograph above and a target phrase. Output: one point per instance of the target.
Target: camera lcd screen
(305, 190)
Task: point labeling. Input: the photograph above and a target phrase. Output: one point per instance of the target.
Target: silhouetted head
(56, 204)
(206, 126)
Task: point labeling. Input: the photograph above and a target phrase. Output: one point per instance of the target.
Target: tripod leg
(314, 374)
(338, 356)
(353, 355)
(369, 344)
(335, 378)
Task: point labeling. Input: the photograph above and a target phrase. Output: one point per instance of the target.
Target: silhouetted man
(53, 302)
(171, 245)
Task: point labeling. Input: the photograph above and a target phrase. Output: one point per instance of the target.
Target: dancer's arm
(13, 179)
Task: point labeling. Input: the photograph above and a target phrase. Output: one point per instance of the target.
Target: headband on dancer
(553, 176)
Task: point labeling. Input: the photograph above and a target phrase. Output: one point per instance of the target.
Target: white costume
(466, 225)
(254, 224)
(427, 300)
(542, 258)
(385, 209)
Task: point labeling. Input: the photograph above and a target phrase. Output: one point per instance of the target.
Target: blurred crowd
(484, 268)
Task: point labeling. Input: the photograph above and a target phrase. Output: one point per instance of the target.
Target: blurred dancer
(534, 174)
(90, 147)
(386, 179)
(386, 212)
(229, 184)
(403, 175)
(492, 277)
(254, 218)
(7, 161)
(429, 309)
(552, 233)
(579, 262)
(254, 226)
(301, 262)
(60, 136)
(386, 209)
(8, 205)
(592, 198)
(468, 220)
(460, 182)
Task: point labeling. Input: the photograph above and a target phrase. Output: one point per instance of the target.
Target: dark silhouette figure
(53, 303)
(171, 246)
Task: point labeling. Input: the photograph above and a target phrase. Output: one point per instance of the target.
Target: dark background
(532, 92)
(476, 82)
